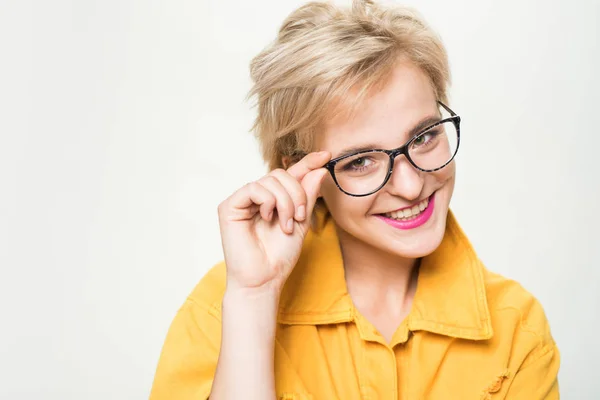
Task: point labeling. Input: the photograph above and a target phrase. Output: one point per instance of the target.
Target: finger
(295, 190)
(284, 203)
(312, 183)
(248, 198)
(309, 163)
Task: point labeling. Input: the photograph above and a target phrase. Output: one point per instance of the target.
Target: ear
(286, 161)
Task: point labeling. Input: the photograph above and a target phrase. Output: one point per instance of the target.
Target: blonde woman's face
(384, 122)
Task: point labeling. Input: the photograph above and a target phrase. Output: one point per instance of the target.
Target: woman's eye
(359, 162)
(421, 139)
(424, 138)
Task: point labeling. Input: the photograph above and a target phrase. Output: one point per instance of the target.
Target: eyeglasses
(364, 172)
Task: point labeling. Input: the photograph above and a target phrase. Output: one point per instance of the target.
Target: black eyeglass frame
(454, 118)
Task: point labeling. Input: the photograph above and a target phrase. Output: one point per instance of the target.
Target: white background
(123, 124)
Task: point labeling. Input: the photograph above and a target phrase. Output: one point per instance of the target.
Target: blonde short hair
(326, 55)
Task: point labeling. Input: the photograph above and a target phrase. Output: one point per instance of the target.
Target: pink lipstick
(415, 222)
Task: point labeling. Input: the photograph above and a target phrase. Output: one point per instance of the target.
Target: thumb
(311, 183)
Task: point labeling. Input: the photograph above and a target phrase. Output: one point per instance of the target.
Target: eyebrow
(424, 123)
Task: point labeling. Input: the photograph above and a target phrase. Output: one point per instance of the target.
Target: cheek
(340, 203)
(328, 192)
(443, 181)
(445, 175)
(334, 198)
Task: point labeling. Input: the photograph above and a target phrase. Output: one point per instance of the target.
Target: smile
(406, 214)
(410, 217)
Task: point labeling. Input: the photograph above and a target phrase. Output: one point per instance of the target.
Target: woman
(346, 276)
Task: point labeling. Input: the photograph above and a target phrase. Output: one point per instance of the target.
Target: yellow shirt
(470, 334)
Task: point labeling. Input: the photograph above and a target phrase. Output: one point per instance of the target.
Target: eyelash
(433, 134)
(350, 167)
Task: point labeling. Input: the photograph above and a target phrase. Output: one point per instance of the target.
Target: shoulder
(509, 296)
(208, 292)
(191, 349)
(517, 315)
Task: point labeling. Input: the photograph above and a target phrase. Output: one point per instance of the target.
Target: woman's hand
(264, 223)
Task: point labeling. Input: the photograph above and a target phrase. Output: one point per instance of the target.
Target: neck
(376, 278)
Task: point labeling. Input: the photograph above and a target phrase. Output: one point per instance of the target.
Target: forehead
(385, 117)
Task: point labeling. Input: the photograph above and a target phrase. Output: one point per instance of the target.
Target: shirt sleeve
(537, 379)
(188, 360)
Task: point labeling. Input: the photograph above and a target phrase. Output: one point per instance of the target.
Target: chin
(420, 243)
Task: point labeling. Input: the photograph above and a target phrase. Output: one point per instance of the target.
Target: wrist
(265, 294)
(251, 311)
(248, 323)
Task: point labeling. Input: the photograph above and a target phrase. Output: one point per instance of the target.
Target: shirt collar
(450, 297)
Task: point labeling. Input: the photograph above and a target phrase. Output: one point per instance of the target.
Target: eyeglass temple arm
(447, 108)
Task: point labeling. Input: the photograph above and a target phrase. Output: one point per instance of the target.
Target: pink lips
(413, 223)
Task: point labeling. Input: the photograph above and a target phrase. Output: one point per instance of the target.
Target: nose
(406, 181)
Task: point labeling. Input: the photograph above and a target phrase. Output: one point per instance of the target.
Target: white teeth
(408, 213)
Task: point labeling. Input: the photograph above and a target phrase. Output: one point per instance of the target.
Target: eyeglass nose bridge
(395, 153)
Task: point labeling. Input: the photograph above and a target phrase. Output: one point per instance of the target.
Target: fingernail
(269, 216)
(301, 212)
(290, 225)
